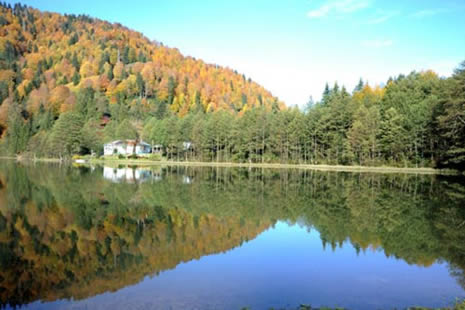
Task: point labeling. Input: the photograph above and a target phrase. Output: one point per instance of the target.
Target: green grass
(159, 160)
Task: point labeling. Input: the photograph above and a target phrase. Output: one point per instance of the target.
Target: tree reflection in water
(68, 232)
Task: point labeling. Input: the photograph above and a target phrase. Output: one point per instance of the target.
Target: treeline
(415, 120)
(68, 84)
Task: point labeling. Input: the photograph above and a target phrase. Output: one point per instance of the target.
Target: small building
(187, 145)
(127, 147)
(157, 149)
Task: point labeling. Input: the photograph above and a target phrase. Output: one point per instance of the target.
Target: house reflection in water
(131, 175)
(186, 179)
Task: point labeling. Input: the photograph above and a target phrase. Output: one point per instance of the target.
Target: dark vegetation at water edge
(101, 236)
(70, 83)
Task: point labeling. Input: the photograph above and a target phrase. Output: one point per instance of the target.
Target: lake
(227, 238)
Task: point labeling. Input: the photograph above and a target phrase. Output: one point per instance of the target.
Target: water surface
(219, 238)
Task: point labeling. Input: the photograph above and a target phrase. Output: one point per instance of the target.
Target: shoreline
(336, 168)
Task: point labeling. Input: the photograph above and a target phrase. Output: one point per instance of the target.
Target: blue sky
(294, 47)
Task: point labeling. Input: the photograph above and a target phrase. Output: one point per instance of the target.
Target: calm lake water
(220, 238)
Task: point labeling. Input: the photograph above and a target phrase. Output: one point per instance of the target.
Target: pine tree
(66, 135)
(171, 89)
(393, 136)
(125, 56)
(19, 131)
(359, 86)
(86, 105)
(4, 92)
(326, 94)
(126, 131)
(110, 75)
(140, 85)
(75, 62)
(73, 39)
(76, 78)
(452, 121)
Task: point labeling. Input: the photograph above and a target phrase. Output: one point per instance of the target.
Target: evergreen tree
(393, 136)
(90, 140)
(359, 86)
(66, 135)
(110, 75)
(4, 92)
(140, 84)
(452, 121)
(18, 131)
(73, 39)
(326, 94)
(44, 119)
(125, 56)
(76, 78)
(75, 62)
(126, 131)
(86, 104)
(171, 89)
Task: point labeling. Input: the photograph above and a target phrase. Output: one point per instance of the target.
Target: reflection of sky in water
(284, 267)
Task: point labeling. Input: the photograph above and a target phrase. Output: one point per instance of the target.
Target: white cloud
(377, 43)
(382, 17)
(427, 13)
(339, 7)
(321, 12)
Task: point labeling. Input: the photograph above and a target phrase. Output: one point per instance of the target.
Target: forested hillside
(47, 61)
(70, 83)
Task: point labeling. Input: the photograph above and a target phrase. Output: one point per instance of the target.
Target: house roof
(114, 142)
(128, 142)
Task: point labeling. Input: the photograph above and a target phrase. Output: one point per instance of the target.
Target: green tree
(415, 97)
(66, 135)
(161, 110)
(75, 62)
(76, 78)
(140, 85)
(19, 130)
(359, 86)
(86, 104)
(90, 139)
(126, 131)
(171, 89)
(326, 93)
(362, 135)
(4, 92)
(73, 39)
(393, 136)
(452, 121)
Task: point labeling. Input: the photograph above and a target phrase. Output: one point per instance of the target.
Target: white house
(187, 145)
(127, 147)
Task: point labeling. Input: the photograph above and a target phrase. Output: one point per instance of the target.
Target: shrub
(155, 157)
(120, 156)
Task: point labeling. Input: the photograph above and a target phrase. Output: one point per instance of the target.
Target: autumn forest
(70, 83)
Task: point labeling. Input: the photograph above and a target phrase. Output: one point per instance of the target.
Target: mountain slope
(45, 58)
